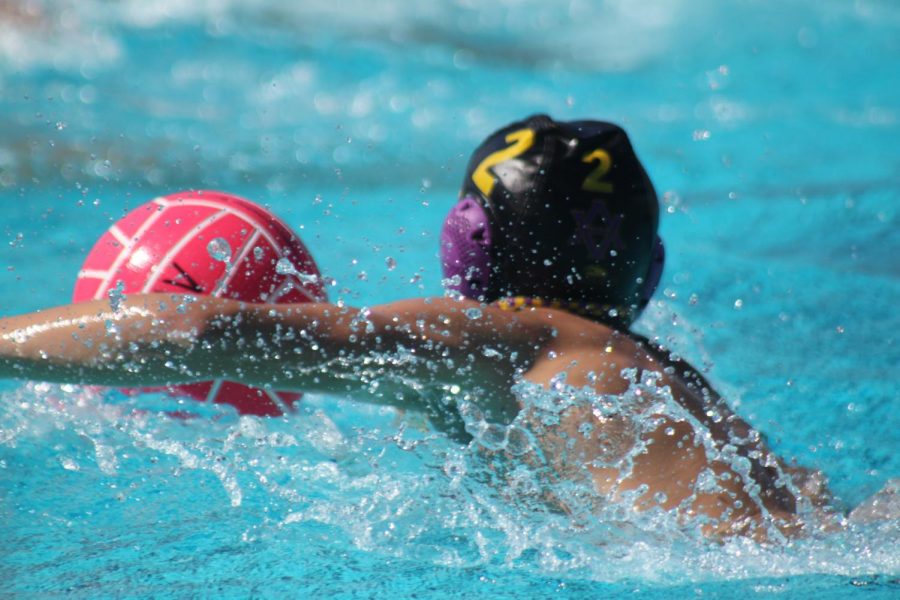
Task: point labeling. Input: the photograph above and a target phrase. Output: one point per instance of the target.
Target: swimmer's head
(561, 211)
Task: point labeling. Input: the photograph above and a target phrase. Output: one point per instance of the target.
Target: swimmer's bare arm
(159, 339)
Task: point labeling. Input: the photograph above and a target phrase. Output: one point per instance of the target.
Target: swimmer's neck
(605, 314)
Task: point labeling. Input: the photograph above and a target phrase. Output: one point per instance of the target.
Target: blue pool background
(772, 133)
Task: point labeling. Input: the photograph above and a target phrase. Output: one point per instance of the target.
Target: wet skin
(396, 353)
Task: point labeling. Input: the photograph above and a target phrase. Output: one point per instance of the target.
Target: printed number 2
(594, 181)
(521, 141)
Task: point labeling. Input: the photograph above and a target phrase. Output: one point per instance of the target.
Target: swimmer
(551, 252)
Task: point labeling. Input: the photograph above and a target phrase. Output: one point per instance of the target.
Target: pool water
(772, 134)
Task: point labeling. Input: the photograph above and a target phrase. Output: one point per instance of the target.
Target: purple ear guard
(465, 249)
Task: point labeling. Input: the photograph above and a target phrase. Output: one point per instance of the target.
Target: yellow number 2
(521, 141)
(594, 181)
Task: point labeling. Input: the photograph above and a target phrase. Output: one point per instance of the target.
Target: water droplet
(390, 263)
(738, 304)
(116, 295)
(219, 249)
(258, 253)
(585, 429)
(558, 381)
(473, 313)
(285, 267)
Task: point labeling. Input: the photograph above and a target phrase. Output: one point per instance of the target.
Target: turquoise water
(771, 134)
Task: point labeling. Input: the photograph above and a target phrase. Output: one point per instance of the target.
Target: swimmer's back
(594, 355)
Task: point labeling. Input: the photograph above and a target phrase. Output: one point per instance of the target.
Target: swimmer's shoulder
(468, 313)
(459, 322)
(551, 328)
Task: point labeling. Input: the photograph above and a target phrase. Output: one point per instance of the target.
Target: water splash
(389, 484)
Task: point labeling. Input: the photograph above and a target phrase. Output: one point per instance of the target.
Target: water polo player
(554, 251)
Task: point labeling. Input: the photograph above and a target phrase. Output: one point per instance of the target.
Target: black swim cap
(556, 210)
